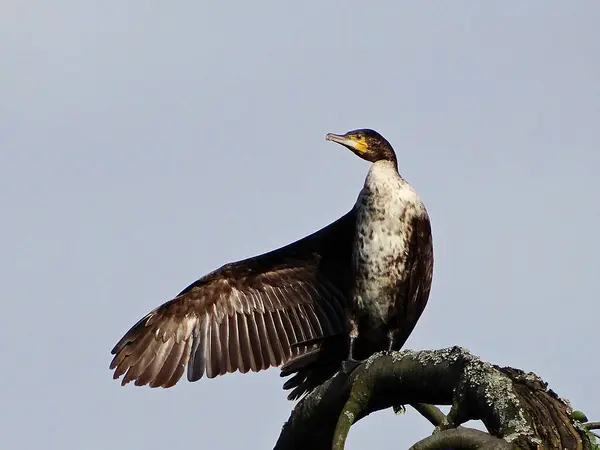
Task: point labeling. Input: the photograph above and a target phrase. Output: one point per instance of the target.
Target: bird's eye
(359, 136)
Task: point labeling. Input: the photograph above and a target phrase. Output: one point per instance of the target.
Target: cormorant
(351, 289)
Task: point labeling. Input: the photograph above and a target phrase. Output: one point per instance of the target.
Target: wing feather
(225, 360)
(180, 367)
(273, 337)
(235, 355)
(255, 341)
(268, 355)
(214, 361)
(245, 346)
(170, 365)
(153, 369)
(282, 336)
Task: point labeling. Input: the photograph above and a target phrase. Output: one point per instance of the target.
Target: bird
(335, 297)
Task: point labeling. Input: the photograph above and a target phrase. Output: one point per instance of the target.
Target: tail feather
(300, 362)
(314, 367)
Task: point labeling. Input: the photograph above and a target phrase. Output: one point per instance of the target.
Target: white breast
(385, 209)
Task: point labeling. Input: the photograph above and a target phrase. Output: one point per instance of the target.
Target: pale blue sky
(145, 143)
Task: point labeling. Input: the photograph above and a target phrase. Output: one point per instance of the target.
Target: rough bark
(516, 407)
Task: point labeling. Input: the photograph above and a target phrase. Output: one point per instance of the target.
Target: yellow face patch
(360, 144)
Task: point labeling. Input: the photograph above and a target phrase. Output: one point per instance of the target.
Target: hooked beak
(339, 139)
(349, 142)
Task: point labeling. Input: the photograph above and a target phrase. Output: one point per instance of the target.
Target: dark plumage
(353, 288)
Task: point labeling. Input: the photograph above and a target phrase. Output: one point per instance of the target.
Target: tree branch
(514, 406)
(462, 438)
(431, 413)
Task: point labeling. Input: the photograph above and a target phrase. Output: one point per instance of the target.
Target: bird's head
(367, 144)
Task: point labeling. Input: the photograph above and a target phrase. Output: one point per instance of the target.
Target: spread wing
(246, 315)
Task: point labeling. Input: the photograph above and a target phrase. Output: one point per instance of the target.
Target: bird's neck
(383, 176)
(389, 157)
(385, 167)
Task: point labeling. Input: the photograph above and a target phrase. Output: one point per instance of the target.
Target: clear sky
(145, 143)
